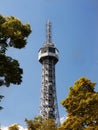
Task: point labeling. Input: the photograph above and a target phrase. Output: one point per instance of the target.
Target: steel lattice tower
(48, 57)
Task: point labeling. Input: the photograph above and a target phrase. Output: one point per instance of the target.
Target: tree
(82, 106)
(34, 124)
(13, 127)
(12, 34)
(10, 72)
(49, 124)
(38, 123)
(0, 101)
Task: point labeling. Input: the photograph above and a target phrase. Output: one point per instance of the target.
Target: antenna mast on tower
(48, 32)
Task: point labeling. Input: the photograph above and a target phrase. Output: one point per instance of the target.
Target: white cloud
(62, 119)
(6, 128)
(21, 128)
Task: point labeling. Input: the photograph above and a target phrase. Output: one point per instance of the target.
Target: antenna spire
(48, 32)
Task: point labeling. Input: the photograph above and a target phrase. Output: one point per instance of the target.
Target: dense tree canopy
(12, 34)
(82, 106)
(41, 124)
(9, 71)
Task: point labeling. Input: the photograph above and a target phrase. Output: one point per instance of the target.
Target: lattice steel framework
(48, 57)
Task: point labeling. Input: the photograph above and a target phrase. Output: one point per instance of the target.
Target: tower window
(52, 50)
(44, 50)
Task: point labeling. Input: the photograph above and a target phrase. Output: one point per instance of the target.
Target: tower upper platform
(48, 50)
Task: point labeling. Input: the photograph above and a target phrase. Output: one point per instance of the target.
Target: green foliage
(48, 124)
(0, 101)
(34, 124)
(10, 72)
(81, 105)
(12, 34)
(41, 124)
(92, 128)
(13, 127)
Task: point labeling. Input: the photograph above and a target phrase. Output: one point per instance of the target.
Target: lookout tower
(48, 57)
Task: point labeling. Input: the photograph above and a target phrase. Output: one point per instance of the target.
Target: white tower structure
(48, 57)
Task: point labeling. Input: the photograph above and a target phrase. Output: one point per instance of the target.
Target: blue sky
(75, 33)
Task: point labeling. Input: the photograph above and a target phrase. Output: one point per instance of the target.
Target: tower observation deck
(48, 57)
